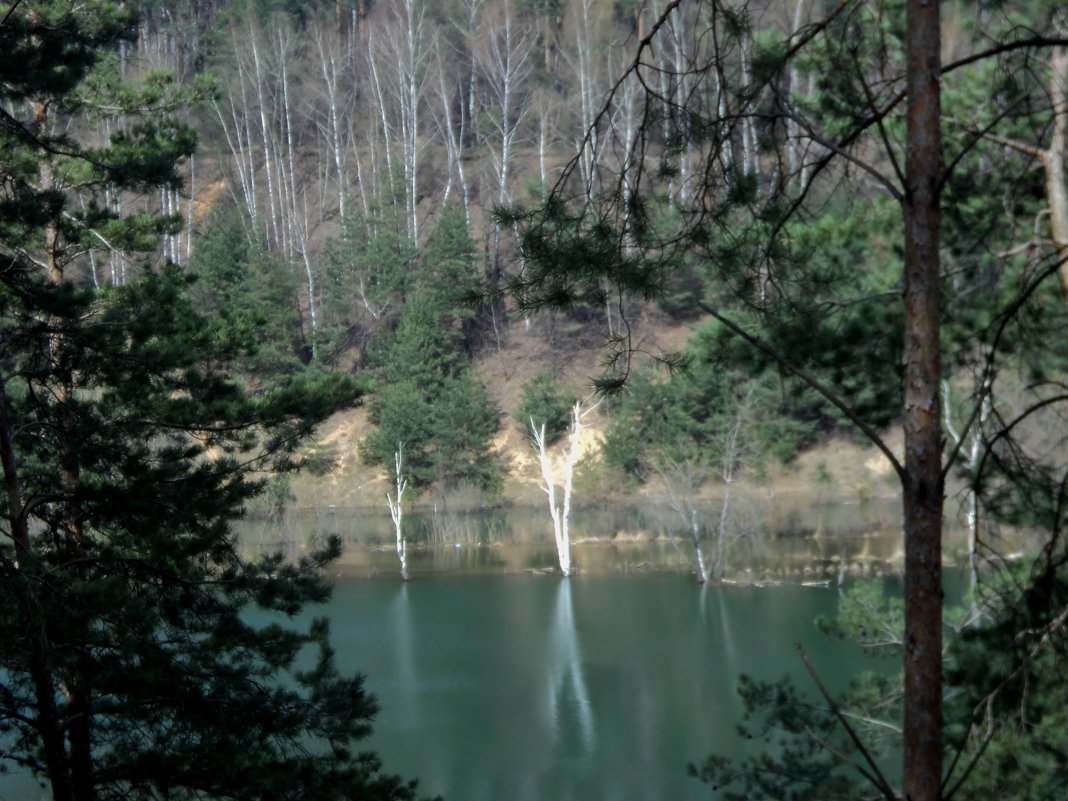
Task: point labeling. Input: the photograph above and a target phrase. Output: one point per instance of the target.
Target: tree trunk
(396, 509)
(48, 719)
(923, 485)
(1053, 161)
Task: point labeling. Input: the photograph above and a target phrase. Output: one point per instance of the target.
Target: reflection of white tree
(565, 667)
(404, 637)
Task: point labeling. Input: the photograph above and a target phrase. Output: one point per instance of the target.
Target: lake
(541, 688)
(497, 679)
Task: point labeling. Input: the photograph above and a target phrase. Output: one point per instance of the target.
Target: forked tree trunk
(560, 513)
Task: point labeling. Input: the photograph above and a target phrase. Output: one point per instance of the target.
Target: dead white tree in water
(734, 447)
(396, 509)
(569, 456)
(974, 452)
(683, 478)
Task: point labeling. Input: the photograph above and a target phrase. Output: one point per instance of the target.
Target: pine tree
(746, 157)
(428, 398)
(128, 665)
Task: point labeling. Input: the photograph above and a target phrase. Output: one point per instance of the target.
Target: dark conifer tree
(128, 667)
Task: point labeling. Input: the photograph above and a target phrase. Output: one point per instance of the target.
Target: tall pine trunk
(923, 485)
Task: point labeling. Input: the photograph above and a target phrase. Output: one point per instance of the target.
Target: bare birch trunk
(453, 146)
(1053, 161)
(396, 509)
(560, 513)
(273, 232)
(380, 98)
(328, 67)
(793, 131)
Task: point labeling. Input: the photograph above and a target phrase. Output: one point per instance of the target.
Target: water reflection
(829, 543)
(566, 683)
(404, 640)
(730, 650)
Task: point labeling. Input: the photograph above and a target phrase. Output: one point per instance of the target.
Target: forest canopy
(221, 222)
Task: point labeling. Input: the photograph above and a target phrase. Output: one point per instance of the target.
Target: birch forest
(335, 128)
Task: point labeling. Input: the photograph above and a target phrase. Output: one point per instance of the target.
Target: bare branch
(878, 779)
(812, 381)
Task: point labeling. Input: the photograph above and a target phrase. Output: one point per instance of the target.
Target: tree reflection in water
(566, 686)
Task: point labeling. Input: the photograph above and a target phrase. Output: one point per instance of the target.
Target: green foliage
(427, 395)
(250, 294)
(428, 398)
(796, 767)
(1009, 693)
(691, 413)
(546, 403)
(152, 458)
(870, 617)
(1005, 701)
(368, 277)
(142, 654)
(449, 262)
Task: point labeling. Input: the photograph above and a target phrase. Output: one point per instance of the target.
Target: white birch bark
(793, 131)
(505, 66)
(732, 455)
(399, 61)
(414, 72)
(373, 55)
(273, 232)
(682, 480)
(240, 155)
(562, 473)
(583, 65)
(330, 69)
(1053, 161)
(189, 209)
(749, 136)
(453, 137)
(971, 500)
(678, 40)
(396, 509)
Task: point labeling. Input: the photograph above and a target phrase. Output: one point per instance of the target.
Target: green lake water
(595, 687)
(499, 680)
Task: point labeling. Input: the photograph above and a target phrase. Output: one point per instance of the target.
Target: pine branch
(878, 779)
(812, 382)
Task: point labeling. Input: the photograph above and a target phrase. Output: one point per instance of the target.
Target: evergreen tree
(244, 286)
(752, 163)
(368, 276)
(427, 395)
(128, 665)
(544, 401)
(428, 398)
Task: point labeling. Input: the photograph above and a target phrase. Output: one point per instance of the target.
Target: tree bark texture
(1053, 162)
(923, 485)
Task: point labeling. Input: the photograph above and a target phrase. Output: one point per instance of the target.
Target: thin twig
(948, 794)
(878, 779)
(812, 381)
(10, 11)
